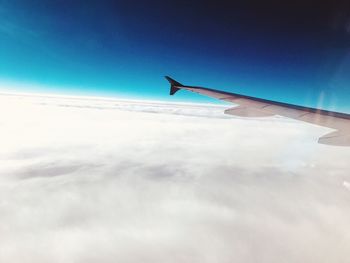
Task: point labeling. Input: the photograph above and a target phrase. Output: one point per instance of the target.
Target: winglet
(173, 85)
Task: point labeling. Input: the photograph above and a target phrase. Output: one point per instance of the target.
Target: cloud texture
(92, 180)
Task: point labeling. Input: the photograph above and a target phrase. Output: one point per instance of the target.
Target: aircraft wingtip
(174, 85)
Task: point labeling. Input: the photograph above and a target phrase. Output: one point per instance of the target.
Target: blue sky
(294, 52)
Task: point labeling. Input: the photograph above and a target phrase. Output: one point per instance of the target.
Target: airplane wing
(257, 107)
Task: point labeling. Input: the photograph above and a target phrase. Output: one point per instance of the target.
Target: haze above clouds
(93, 180)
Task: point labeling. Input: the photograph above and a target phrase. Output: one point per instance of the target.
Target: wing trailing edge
(247, 112)
(336, 138)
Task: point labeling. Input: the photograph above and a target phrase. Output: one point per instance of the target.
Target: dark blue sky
(292, 51)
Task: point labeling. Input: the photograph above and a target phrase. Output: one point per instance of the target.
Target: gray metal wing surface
(257, 107)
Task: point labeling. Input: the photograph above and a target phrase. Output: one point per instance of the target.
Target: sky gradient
(296, 52)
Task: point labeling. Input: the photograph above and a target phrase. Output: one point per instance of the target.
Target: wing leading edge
(257, 107)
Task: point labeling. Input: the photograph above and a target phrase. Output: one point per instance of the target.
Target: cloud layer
(92, 180)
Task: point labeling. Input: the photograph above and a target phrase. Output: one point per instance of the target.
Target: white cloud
(89, 180)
